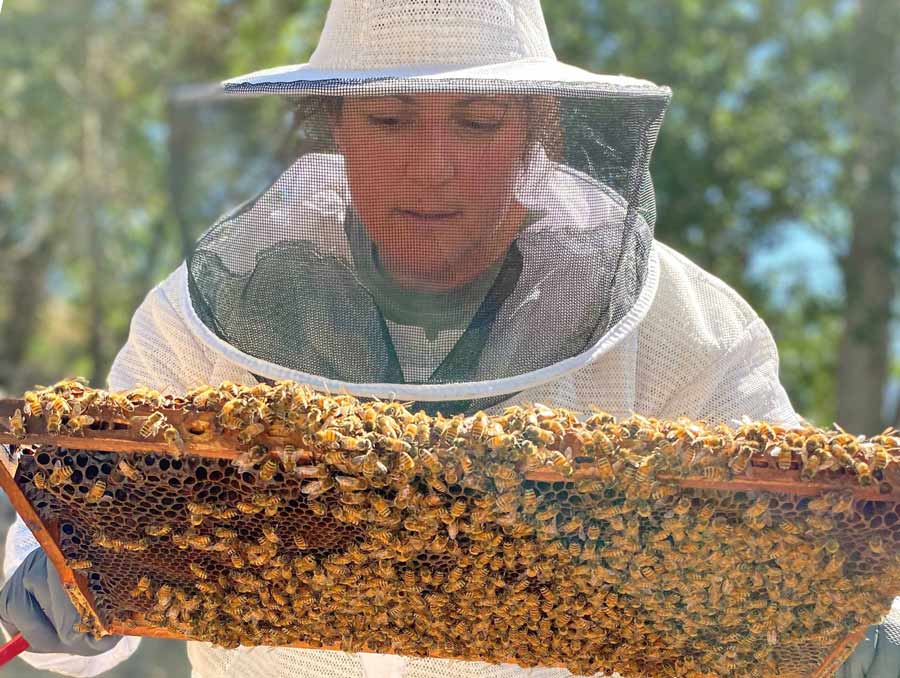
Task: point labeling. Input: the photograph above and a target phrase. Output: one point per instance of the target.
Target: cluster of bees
(66, 408)
(367, 527)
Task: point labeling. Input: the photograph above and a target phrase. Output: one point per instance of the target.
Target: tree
(871, 184)
(762, 128)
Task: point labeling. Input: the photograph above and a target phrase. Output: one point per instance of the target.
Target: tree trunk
(869, 267)
(92, 191)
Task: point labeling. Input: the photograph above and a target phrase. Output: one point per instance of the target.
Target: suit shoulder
(696, 305)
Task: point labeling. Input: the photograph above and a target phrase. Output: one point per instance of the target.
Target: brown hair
(542, 115)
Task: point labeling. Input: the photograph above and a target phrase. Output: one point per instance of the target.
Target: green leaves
(761, 133)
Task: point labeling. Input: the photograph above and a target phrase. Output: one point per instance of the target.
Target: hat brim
(525, 76)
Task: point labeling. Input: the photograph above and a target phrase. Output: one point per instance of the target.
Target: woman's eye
(480, 125)
(388, 121)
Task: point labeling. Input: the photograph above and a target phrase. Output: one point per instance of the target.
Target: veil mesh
(439, 237)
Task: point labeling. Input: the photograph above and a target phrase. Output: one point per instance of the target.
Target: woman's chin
(424, 276)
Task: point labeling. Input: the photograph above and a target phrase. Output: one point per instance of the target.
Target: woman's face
(431, 177)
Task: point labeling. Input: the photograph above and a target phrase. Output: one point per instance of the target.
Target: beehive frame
(203, 438)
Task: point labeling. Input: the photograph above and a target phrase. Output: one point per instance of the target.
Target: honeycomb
(274, 515)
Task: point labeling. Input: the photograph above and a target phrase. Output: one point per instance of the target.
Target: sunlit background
(777, 169)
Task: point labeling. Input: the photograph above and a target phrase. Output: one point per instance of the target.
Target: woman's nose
(431, 159)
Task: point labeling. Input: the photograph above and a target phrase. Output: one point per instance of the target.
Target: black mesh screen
(438, 237)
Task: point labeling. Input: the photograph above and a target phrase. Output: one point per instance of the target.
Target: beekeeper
(465, 223)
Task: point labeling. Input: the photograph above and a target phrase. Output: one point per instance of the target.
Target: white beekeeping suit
(700, 352)
(469, 225)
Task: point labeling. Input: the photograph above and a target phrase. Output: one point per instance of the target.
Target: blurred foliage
(104, 149)
(98, 149)
(111, 163)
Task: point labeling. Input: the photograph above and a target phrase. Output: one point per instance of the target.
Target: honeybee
(843, 504)
(227, 514)
(715, 473)
(842, 456)
(356, 444)
(270, 535)
(405, 464)
(500, 441)
(40, 480)
(330, 438)
(705, 514)
(822, 504)
(129, 471)
(139, 545)
(317, 488)
(199, 541)
(782, 455)
(759, 507)
(369, 417)
(33, 407)
(200, 509)
(173, 438)
(863, 473)
(78, 423)
(880, 457)
(351, 483)
(395, 444)
(58, 405)
(163, 596)
(95, 494)
(539, 436)
(479, 425)
(141, 588)
(60, 474)
(311, 472)
(79, 564)
(682, 506)
(17, 424)
(387, 426)
(251, 431)
(54, 423)
(268, 469)
(573, 524)
(237, 560)
(876, 544)
(790, 527)
(152, 425)
(507, 502)
(447, 429)
(198, 571)
(810, 467)
(560, 462)
(741, 461)
(258, 558)
(603, 468)
(381, 507)
(247, 508)
(160, 530)
(370, 464)
(822, 523)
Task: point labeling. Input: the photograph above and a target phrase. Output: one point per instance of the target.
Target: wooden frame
(196, 431)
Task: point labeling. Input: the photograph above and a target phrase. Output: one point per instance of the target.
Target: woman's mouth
(429, 216)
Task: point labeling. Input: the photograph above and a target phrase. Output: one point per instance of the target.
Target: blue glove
(877, 656)
(34, 603)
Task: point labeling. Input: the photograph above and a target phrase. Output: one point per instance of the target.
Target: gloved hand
(877, 656)
(34, 603)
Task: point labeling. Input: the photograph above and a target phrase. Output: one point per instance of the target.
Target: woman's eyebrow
(412, 101)
(403, 98)
(477, 99)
